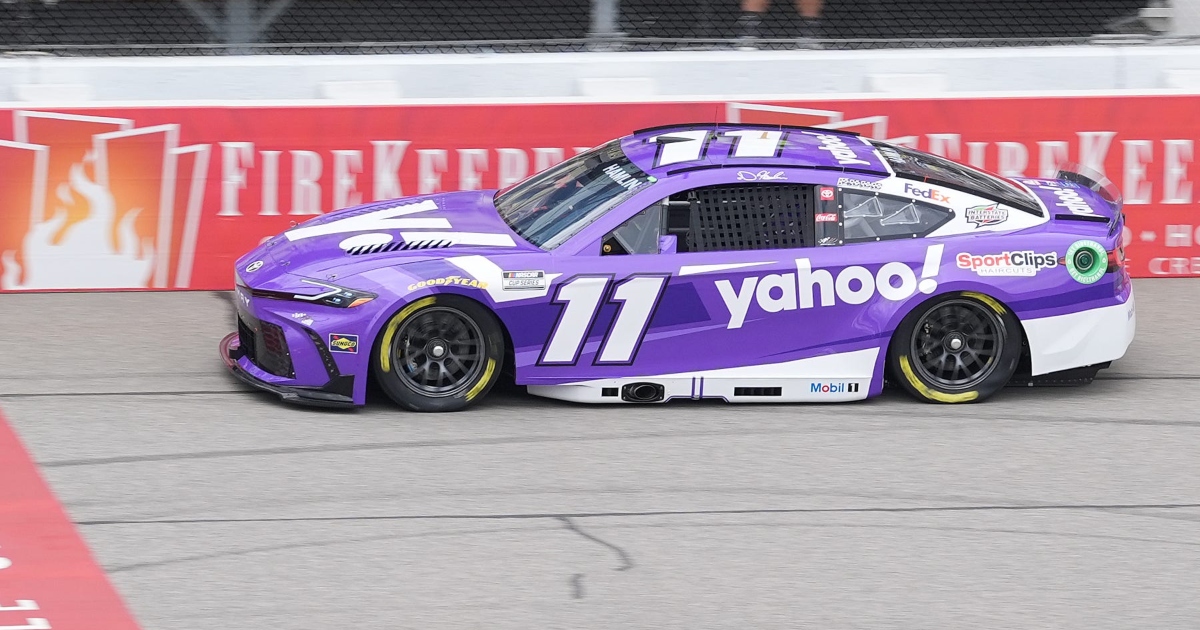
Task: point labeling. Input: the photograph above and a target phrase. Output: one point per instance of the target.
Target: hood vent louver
(393, 246)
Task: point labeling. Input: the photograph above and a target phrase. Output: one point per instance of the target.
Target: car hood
(380, 234)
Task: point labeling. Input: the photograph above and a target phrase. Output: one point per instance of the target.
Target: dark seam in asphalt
(577, 579)
(381, 446)
(565, 516)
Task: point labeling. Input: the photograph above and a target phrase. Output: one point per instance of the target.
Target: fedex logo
(932, 194)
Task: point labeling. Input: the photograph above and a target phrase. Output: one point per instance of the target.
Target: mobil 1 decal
(581, 298)
(810, 287)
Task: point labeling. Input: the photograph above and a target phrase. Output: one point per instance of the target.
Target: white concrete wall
(612, 76)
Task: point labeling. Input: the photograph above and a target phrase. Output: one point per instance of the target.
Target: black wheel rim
(957, 344)
(438, 352)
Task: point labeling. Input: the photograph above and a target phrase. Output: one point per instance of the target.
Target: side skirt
(734, 390)
(1065, 378)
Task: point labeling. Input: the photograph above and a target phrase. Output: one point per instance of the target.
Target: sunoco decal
(1024, 263)
(347, 344)
(811, 288)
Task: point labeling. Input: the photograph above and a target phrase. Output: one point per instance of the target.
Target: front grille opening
(274, 356)
(266, 346)
(247, 341)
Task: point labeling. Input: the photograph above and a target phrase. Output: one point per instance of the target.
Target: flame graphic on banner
(91, 202)
(75, 249)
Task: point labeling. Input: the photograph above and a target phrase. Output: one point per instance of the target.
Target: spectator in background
(750, 23)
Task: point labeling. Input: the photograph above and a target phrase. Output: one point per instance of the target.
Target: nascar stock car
(739, 262)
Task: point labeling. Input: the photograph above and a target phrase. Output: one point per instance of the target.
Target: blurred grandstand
(203, 27)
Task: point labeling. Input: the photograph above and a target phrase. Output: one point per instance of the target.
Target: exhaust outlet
(642, 392)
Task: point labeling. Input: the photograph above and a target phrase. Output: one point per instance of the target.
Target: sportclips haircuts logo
(853, 285)
(1026, 263)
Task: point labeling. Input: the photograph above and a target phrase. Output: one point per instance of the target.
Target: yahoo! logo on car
(839, 149)
(777, 292)
(932, 194)
(1024, 263)
(1068, 196)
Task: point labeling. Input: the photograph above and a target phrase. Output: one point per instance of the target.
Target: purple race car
(741, 262)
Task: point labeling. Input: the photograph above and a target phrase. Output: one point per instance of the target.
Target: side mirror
(667, 244)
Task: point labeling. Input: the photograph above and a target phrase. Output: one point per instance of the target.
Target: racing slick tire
(960, 348)
(439, 353)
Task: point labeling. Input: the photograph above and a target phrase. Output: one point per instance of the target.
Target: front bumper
(338, 392)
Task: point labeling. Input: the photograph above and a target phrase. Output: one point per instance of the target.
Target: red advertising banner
(169, 197)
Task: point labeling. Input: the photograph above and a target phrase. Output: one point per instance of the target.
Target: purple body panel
(707, 310)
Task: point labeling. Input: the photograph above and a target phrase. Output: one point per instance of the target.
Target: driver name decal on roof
(853, 285)
(619, 175)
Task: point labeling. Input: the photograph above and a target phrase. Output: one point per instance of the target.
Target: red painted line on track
(48, 578)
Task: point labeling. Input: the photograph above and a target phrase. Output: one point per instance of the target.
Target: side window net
(739, 217)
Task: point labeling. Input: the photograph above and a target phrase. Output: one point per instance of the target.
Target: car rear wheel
(963, 348)
(439, 353)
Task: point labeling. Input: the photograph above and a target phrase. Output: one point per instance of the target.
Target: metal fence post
(605, 23)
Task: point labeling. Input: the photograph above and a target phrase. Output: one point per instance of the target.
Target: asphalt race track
(212, 507)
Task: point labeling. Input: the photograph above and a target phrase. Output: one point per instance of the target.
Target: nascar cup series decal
(853, 285)
(523, 280)
(1086, 261)
(1026, 263)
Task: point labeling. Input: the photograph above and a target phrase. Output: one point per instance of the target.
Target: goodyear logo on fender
(343, 343)
(458, 281)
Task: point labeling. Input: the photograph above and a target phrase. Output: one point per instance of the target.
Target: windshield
(913, 164)
(553, 205)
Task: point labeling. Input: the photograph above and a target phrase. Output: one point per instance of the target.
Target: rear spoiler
(1098, 183)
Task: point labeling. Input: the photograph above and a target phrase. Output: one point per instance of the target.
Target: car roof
(670, 149)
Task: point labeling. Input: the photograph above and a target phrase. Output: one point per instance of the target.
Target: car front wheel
(439, 353)
(963, 348)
